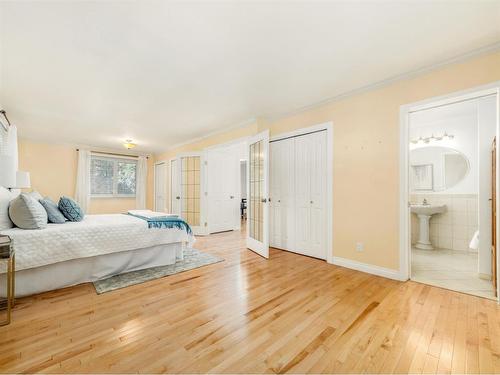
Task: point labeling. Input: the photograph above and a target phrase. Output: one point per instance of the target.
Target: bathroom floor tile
(450, 269)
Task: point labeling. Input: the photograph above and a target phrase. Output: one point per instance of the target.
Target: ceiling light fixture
(128, 144)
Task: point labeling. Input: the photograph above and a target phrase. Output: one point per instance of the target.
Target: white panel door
(318, 183)
(222, 188)
(275, 186)
(302, 195)
(160, 187)
(258, 193)
(282, 187)
(175, 188)
(310, 195)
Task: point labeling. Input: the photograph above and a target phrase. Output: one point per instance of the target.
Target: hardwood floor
(289, 314)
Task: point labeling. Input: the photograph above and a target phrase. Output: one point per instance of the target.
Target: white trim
(404, 216)
(105, 155)
(228, 144)
(115, 159)
(367, 268)
(87, 147)
(388, 81)
(301, 131)
(244, 142)
(260, 247)
(154, 182)
(328, 126)
(170, 206)
(370, 87)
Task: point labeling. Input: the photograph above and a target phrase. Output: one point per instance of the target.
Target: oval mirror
(435, 168)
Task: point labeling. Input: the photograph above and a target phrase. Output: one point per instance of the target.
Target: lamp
(7, 171)
(23, 180)
(128, 144)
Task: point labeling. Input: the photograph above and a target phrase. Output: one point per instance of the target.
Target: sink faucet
(425, 203)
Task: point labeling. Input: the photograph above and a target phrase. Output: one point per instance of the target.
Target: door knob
(232, 197)
(312, 202)
(263, 200)
(177, 197)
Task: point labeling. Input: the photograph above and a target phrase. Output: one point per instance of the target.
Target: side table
(7, 254)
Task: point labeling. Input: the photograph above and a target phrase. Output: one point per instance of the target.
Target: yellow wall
(366, 154)
(52, 170)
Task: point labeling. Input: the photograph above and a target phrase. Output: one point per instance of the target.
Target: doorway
(224, 186)
(243, 193)
(175, 190)
(160, 187)
(448, 190)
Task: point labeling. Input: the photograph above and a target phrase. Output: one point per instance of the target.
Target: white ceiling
(164, 72)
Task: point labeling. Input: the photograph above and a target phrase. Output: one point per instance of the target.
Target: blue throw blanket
(165, 222)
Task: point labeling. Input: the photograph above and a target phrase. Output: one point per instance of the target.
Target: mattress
(95, 235)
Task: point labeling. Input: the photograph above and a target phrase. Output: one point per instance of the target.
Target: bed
(98, 247)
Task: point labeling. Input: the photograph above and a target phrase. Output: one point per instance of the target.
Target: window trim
(116, 160)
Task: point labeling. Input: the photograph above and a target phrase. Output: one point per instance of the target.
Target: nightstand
(7, 255)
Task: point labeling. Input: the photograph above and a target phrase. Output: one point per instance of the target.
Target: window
(112, 177)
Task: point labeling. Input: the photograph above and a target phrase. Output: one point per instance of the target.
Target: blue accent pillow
(70, 209)
(53, 212)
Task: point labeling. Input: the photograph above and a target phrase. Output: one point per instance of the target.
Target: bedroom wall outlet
(360, 246)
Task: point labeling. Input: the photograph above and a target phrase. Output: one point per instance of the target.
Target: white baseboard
(368, 268)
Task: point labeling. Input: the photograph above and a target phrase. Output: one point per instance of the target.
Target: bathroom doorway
(450, 191)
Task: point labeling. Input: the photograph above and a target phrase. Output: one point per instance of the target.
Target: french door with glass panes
(258, 193)
(191, 190)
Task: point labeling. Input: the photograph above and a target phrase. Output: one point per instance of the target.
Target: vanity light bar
(432, 138)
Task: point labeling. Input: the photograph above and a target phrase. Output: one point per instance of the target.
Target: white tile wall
(454, 228)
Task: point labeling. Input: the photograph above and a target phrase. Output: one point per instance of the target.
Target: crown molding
(386, 82)
(211, 134)
(85, 147)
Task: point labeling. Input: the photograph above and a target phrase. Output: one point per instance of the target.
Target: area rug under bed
(192, 259)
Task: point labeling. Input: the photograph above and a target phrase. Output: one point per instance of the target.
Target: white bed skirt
(83, 270)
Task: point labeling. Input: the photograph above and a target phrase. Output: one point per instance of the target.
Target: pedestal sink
(424, 213)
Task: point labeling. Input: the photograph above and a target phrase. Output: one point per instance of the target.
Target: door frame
(202, 229)
(404, 209)
(244, 142)
(154, 182)
(260, 247)
(328, 126)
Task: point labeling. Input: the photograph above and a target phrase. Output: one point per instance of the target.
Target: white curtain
(8, 155)
(82, 193)
(141, 180)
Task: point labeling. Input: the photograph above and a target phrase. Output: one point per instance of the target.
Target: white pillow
(35, 194)
(5, 197)
(27, 213)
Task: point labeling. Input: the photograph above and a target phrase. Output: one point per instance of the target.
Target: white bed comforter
(95, 235)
